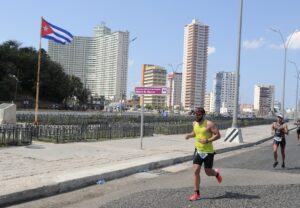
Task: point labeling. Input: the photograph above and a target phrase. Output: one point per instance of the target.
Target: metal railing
(75, 133)
(74, 128)
(16, 135)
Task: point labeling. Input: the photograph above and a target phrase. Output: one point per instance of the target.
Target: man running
(205, 132)
(279, 130)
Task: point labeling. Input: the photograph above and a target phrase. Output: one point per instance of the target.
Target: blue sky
(158, 26)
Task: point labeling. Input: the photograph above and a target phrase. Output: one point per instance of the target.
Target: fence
(16, 135)
(75, 133)
(73, 119)
(98, 128)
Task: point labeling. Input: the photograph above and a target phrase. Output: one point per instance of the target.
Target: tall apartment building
(208, 102)
(153, 75)
(223, 92)
(101, 61)
(174, 85)
(264, 99)
(194, 64)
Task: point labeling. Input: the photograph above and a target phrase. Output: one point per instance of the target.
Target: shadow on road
(232, 195)
(294, 168)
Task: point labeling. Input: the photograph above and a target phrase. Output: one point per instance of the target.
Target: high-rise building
(264, 99)
(224, 90)
(217, 89)
(174, 85)
(101, 61)
(208, 102)
(194, 64)
(153, 75)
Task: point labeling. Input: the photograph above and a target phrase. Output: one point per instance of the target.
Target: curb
(70, 185)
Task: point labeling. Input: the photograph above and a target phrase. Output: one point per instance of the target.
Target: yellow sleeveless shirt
(202, 133)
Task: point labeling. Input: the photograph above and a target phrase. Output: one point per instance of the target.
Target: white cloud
(252, 44)
(275, 46)
(294, 42)
(211, 50)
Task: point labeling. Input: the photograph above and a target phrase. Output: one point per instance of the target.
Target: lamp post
(122, 93)
(17, 80)
(285, 45)
(234, 134)
(237, 81)
(297, 77)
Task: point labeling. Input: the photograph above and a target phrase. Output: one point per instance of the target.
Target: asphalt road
(249, 180)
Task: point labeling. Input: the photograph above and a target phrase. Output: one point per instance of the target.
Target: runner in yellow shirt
(204, 132)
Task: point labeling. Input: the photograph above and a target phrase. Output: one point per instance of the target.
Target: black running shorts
(208, 160)
(282, 143)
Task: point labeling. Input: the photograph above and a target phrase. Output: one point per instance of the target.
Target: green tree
(18, 68)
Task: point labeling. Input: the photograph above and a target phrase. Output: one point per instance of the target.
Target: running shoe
(195, 197)
(219, 177)
(283, 165)
(275, 164)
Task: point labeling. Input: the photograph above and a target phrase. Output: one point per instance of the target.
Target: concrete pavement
(44, 169)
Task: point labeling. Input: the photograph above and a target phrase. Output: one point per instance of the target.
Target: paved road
(49, 169)
(249, 181)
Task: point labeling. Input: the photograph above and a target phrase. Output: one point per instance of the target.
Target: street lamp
(285, 45)
(234, 133)
(17, 80)
(237, 81)
(298, 77)
(122, 93)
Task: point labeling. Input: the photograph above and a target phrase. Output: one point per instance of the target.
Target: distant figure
(165, 114)
(279, 130)
(298, 130)
(205, 132)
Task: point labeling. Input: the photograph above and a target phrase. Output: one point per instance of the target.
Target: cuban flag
(57, 34)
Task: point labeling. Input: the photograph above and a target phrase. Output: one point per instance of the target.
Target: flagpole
(38, 79)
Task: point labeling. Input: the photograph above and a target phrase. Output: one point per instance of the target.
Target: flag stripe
(54, 39)
(57, 34)
(57, 37)
(63, 37)
(60, 30)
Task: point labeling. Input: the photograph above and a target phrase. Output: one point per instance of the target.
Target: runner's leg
(282, 148)
(196, 169)
(275, 147)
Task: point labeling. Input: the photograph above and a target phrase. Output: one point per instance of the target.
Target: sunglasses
(198, 114)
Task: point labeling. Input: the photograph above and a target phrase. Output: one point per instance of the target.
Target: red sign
(151, 90)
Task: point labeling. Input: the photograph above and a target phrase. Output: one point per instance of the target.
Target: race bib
(278, 139)
(202, 155)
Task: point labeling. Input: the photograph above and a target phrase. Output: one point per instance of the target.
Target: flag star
(45, 28)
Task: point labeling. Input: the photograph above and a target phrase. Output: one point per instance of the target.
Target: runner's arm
(273, 129)
(286, 130)
(190, 135)
(215, 132)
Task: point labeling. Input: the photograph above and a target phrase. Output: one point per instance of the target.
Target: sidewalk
(44, 169)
